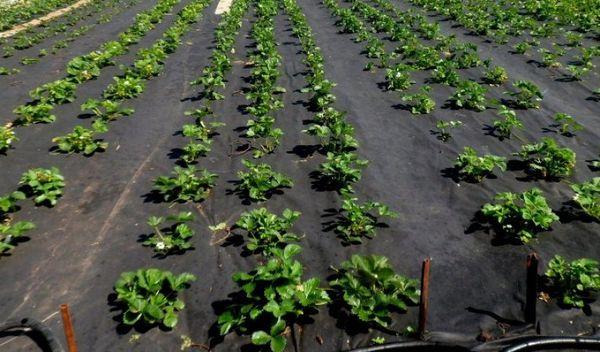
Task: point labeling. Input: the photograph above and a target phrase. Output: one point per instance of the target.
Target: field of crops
(299, 175)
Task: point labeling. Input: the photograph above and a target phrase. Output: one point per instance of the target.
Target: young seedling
(106, 110)
(469, 95)
(567, 124)
(187, 184)
(576, 282)
(150, 295)
(547, 159)
(7, 137)
(495, 76)
(126, 87)
(260, 181)
(527, 95)
(587, 196)
(444, 127)
(173, 238)
(46, 185)
(420, 103)
(266, 230)
(398, 77)
(357, 220)
(341, 170)
(520, 216)
(83, 140)
(504, 127)
(475, 167)
(10, 233)
(446, 73)
(39, 112)
(372, 291)
(57, 92)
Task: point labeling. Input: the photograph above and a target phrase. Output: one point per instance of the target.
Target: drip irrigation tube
(36, 327)
(529, 344)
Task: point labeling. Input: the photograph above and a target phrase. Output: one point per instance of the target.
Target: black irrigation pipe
(530, 344)
(32, 325)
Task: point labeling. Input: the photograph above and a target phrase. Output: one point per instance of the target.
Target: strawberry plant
(445, 73)
(272, 297)
(81, 69)
(187, 184)
(521, 47)
(465, 56)
(469, 95)
(443, 132)
(126, 87)
(359, 220)
(106, 110)
(547, 159)
(504, 127)
(371, 290)
(7, 137)
(39, 112)
(260, 181)
(266, 230)
(83, 140)
(566, 124)
(8, 203)
(576, 282)
(420, 103)
(495, 76)
(520, 215)
(173, 238)
(57, 92)
(45, 185)
(587, 196)
(527, 95)
(475, 167)
(150, 295)
(336, 137)
(10, 233)
(398, 77)
(341, 170)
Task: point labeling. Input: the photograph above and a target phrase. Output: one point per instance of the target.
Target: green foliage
(173, 238)
(337, 136)
(520, 215)
(82, 69)
(504, 127)
(8, 203)
(469, 95)
(266, 230)
(10, 233)
(7, 137)
(83, 140)
(126, 87)
(57, 92)
(398, 77)
(443, 132)
(359, 220)
(496, 75)
(45, 185)
(567, 124)
(272, 296)
(260, 181)
(372, 290)
(575, 282)
(547, 159)
(150, 295)
(420, 103)
(39, 112)
(587, 196)
(187, 184)
(341, 170)
(445, 73)
(527, 95)
(475, 167)
(106, 110)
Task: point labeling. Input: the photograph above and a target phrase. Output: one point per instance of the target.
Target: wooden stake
(424, 303)
(532, 288)
(68, 327)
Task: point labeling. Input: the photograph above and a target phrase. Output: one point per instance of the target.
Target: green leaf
(260, 338)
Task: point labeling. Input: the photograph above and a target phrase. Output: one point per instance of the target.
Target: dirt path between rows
(36, 22)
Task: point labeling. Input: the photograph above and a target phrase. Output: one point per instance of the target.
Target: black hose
(48, 339)
(413, 346)
(550, 342)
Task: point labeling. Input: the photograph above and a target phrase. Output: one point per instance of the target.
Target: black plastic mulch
(84, 243)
